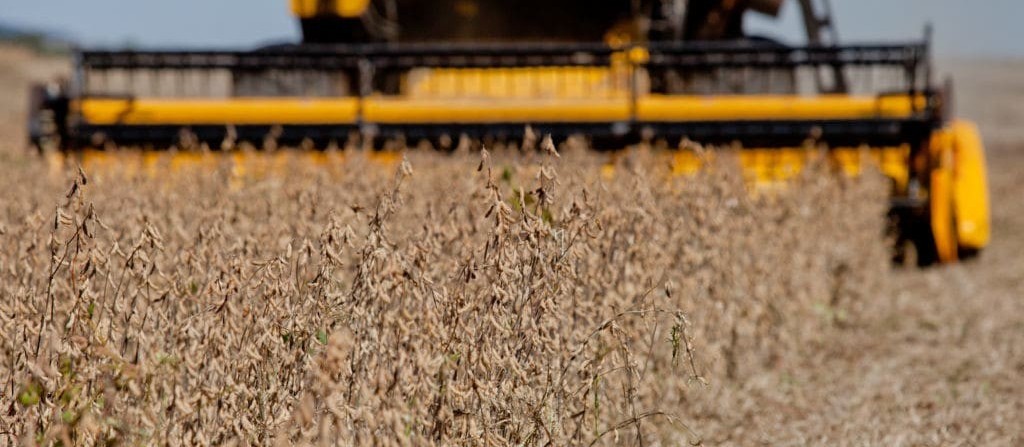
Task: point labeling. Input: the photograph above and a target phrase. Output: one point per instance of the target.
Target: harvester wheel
(942, 226)
(958, 204)
(943, 220)
(970, 186)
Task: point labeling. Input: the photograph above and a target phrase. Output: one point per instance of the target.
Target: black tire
(968, 253)
(924, 245)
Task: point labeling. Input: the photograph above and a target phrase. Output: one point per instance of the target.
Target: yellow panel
(505, 83)
(351, 8)
(970, 186)
(304, 8)
(218, 112)
(771, 107)
(895, 164)
(391, 110)
(345, 8)
(772, 166)
(402, 111)
(941, 196)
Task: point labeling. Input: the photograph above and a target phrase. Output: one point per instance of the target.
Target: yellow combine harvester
(615, 71)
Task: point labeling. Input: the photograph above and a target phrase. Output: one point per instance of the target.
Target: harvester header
(616, 72)
(513, 86)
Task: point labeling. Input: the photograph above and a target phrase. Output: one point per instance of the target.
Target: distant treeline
(40, 41)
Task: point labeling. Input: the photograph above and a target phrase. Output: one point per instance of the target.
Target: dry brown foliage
(466, 299)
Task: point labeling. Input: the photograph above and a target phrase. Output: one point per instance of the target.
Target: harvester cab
(621, 71)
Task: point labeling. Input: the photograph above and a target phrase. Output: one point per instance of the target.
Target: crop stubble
(448, 298)
(332, 303)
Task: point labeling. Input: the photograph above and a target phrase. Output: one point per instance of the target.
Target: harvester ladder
(821, 31)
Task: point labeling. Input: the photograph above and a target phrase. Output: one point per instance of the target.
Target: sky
(962, 27)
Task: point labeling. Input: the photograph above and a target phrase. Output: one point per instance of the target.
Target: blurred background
(963, 28)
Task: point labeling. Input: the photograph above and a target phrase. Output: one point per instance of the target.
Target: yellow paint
(608, 171)
(770, 166)
(659, 108)
(352, 8)
(427, 109)
(970, 186)
(941, 196)
(506, 83)
(958, 194)
(305, 9)
(386, 110)
(639, 55)
(238, 111)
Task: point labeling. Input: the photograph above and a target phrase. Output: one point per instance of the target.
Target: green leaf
(30, 394)
(65, 365)
(547, 216)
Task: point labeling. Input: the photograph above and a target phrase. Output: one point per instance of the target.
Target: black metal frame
(757, 134)
(466, 55)
(372, 58)
(334, 57)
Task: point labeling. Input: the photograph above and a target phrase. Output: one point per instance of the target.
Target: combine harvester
(614, 71)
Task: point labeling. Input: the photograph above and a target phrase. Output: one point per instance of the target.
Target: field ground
(938, 361)
(941, 361)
